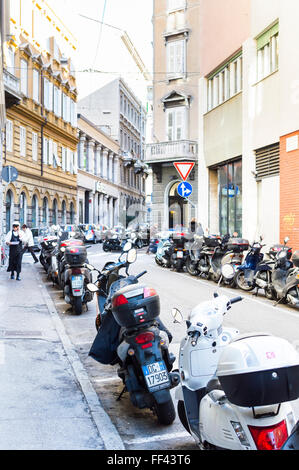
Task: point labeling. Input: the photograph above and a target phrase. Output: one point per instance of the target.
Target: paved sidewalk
(43, 404)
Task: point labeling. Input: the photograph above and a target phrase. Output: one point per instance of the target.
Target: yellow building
(41, 130)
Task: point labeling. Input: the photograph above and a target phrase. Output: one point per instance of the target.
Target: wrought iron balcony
(171, 151)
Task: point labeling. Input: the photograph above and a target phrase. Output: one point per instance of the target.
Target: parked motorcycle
(179, 253)
(61, 261)
(76, 278)
(131, 334)
(236, 390)
(47, 244)
(246, 271)
(164, 252)
(113, 243)
(226, 259)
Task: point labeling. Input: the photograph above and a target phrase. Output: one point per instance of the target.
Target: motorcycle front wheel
(242, 283)
(165, 412)
(105, 248)
(191, 268)
(77, 305)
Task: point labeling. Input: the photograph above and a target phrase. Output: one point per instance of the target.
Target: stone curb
(106, 429)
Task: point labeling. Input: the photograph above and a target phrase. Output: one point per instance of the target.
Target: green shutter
(265, 38)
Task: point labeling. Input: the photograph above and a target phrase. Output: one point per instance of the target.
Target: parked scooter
(226, 259)
(246, 271)
(77, 276)
(113, 243)
(164, 252)
(179, 253)
(47, 245)
(131, 334)
(236, 390)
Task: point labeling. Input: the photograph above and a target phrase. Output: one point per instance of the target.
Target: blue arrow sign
(185, 189)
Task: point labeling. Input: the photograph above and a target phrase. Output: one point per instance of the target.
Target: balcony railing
(171, 151)
(11, 83)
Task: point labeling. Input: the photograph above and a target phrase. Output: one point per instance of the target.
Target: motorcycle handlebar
(141, 274)
(236, 299)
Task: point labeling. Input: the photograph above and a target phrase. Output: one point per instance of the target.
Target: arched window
(9, 210)
(72, 213)
(45, 211)
(23, 209)
(54, 213)
(34, 218)
(63, 213)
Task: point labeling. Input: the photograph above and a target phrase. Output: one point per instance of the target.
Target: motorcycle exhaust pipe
(260, 283)
(204, 270)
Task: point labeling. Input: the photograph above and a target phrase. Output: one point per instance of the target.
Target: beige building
(41, 128)
(175, 108)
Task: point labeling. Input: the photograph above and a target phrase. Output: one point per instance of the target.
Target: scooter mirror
(127, 246)
(132, 255)
(286, 240)
(92, 287)
(177, 315)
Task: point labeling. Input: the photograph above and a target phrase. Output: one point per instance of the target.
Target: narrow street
(138, 429)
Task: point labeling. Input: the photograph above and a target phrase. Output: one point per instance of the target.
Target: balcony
(11, 88)
(171, 151)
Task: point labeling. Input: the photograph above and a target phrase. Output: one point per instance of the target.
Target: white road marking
(159, 437)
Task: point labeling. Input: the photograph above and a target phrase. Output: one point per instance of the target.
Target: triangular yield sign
(184, 169)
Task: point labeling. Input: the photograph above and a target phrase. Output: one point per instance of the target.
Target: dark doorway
(86, 208)
(176, 207)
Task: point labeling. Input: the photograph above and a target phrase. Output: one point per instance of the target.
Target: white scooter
(235, 390)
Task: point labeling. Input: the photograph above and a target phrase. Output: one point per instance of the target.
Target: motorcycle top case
(135, 305)
(237, 244)
(212, 241)
(75, 255)
(259, 370)
(277, 248)
(295, 259)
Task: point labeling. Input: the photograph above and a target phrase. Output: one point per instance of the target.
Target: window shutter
(63, 158)
(34, 146)
(36, 85)
(46, 93)
(9, 135)
(59, 103)
(267, 161)
(50, 159)
(68, 160)
(45, 151)
(50, 96)
(75, 164)
(22, 141)
(24, 77)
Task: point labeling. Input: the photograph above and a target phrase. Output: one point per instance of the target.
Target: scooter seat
(213, 384)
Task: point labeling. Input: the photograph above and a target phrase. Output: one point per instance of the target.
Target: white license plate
(156, 375)
(180, 254)
(77, 282)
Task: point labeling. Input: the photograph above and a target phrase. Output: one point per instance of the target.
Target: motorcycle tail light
(149, 292)
(74, 250)
(76, 271)
(119, 300)
(269, 438)
(144, 338)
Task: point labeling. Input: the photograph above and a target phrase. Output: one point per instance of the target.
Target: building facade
(41, 128)
(175, 109)
(115, 110)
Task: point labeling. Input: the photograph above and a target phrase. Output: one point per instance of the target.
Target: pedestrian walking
(28, 242)
(14, 241)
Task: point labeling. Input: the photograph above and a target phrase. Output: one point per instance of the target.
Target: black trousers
(30, 250)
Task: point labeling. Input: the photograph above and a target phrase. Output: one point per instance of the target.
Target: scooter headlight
(228, 271)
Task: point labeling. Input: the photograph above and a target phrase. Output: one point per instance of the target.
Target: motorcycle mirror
(127, 246)
(62, 249)
(286, 240)
(132, 255)
(92, 287)
(177, 315)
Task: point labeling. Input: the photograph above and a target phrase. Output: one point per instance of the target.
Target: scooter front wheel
(165, 412)
(242, 283)
(192, 270)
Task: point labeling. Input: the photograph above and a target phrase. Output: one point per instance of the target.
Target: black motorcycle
(113, 243)
(47, 245)
(131, 334)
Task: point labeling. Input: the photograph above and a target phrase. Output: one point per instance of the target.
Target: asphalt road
(139, 428)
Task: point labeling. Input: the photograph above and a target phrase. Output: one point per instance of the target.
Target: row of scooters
(233, 391)
(222, 259)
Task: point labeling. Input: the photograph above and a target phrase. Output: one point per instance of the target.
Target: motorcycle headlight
(228, 271)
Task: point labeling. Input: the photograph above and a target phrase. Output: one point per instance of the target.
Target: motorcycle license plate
(77, 282)
(180, 254)
(156, 375)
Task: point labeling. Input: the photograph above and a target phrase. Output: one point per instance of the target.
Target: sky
(100, 47)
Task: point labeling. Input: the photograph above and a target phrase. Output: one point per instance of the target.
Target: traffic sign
(184, 169)
(9, 173)
(185, 189)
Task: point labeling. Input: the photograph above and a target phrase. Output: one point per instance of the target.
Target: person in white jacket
(28, 242)
(14, 240)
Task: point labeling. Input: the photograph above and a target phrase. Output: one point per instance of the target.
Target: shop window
(230, 198)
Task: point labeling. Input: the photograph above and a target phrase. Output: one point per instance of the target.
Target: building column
(105, 164)
(116, 211)
(101, 209)
(105, 212)
(97, 153)
(116, 175)
(111, 212)
(110, 166)
(81, 151)
(90, 153)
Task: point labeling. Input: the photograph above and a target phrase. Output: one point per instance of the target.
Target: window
(10, 60)
(23, 209)
(63, 213)
(45, 211)
(176, 5)
(22, 141)
(45, 151)
(225, 83)
(176, 123)
(267, 52)
(63, 159)
(176, 52)
(34, 217)
(230, 198)
(35, 94)
(48, 94)
(34, 146)
(9, 136)
(24, 77)
(56, 100)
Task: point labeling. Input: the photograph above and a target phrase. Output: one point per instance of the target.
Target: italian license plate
(156, 375)
(180, 254)
(77, 282)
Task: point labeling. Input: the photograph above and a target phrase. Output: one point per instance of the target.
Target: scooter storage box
(75, 255)
(237, 245)
(295, 259)
(259, 370)
(275, 249)
(134, 305)
(212, 241)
